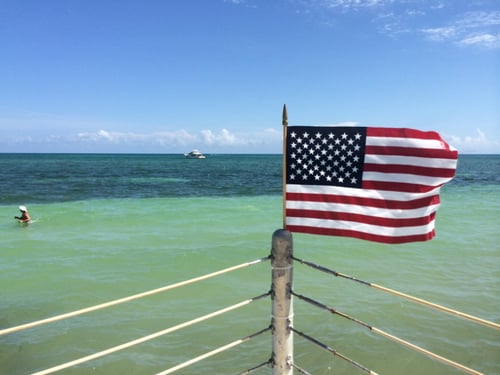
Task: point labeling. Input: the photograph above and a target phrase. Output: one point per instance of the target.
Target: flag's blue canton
(325, 155)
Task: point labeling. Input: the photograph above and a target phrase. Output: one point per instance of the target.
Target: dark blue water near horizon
(46, 178)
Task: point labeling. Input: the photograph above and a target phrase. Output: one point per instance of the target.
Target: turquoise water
(108, 226)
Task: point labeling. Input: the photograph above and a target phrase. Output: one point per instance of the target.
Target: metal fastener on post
(282, 310)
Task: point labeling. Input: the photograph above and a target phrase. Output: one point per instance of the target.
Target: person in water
(25, 216)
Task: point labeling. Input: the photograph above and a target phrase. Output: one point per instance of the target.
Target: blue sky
(169, 76)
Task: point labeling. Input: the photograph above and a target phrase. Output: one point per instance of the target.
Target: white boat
(195, 154)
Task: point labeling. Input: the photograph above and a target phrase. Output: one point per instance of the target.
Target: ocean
(108, 226)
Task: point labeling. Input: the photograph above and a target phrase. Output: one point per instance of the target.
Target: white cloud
(267, 140)
(471, 25)
(478, 28)
(179, 137)
(440, 33)
(224, 140)
(347, 4)
(483, 40)
(415, 12)
(346, 124)
(104, 134)
(477, 143)
(480, 19)
(245, 3)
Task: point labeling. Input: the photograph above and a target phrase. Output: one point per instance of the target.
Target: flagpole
(285, 124)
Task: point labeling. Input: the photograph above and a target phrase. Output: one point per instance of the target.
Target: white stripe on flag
(411, 160)
(361, 193)
(363, 210)
(404, 178)
(361, 227)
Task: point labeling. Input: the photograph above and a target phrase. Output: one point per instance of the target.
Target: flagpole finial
(285, 115)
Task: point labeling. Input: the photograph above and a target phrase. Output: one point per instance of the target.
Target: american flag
(376, 184)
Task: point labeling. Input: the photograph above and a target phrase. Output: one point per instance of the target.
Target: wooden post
(282, 310)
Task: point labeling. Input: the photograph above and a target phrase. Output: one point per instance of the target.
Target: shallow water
(154, 224)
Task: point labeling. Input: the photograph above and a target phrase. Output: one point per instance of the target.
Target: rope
(259, 366)
(405, 296)
(149, 337)
(334, 352)
(424, 351)
(389, 336)
(127, 299)
(211, 353)
(301, 370)
(472, 318)
(333, 311)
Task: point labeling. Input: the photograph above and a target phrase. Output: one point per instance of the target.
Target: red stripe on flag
(410, 151)
(401, 133)
(397, 186)
(358, 218)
